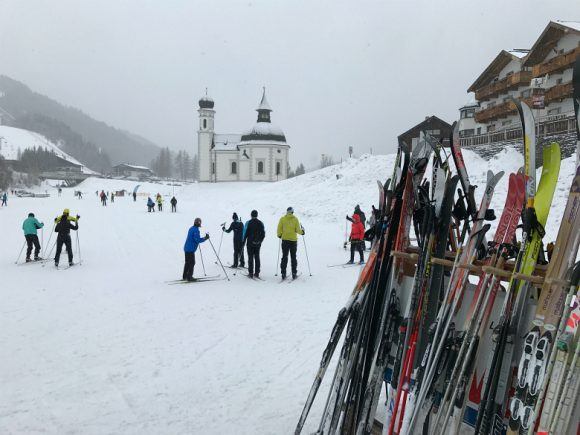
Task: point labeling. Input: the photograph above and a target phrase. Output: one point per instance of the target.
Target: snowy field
(108, 347)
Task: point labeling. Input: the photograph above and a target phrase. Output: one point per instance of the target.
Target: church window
(213, 168)
(260, 167)
(278, 168)
(234, 168)
(205, 123)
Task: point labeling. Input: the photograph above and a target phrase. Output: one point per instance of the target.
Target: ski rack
(537, 279)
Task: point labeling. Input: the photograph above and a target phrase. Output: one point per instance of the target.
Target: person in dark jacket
(134, 196)
(191, 243)
(238, 228)
(30, 226)
(361, 215)
(254, 235)
(173, 204)
(64, 224)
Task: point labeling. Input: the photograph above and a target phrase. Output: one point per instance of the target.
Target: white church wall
(224, 166)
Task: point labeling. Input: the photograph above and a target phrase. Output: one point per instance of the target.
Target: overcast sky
(337, 73)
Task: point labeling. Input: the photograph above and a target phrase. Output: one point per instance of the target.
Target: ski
(200, 279)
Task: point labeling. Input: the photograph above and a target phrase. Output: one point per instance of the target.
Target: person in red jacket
(357, 234)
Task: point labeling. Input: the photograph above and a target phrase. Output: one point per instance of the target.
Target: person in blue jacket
(30, 227)
(191, 243)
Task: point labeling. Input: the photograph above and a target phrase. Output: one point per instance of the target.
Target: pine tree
(300, 170)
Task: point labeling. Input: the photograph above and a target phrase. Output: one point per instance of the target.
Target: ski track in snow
(108, 347)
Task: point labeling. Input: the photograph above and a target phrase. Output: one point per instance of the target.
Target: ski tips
(493, 179)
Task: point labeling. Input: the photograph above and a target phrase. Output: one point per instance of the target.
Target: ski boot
(28, 260)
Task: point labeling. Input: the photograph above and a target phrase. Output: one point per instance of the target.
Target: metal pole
(79, 248)
(218, 259)
(202, 264)
(278, 259)
(20, 253)
(306, 251)
(221, 240)
(49, 237)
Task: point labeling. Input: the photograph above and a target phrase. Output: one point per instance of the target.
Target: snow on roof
(137, 167)
(572, 24)
(265, 128)
(519, 53)
(226, 142)
(17, 139)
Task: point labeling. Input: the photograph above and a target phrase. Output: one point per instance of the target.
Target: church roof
(206, 102)
(263, 130)
(226, 142)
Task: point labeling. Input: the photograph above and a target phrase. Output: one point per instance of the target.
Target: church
(259, 154)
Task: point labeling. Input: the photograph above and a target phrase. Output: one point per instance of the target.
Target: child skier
(30, 227)
(63, 227)
(191, 243)
(238, 228)
(288, 228)
(150, 205)
(356, 238)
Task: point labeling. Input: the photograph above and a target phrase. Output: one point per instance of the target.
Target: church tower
(205, 138)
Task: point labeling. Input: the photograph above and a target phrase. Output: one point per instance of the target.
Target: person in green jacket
(288, 229)
(30, 226)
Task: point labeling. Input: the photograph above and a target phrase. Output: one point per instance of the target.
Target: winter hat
(30, 214)
(66, 211)
(290, 210)
(235, 216)
(254, 213)
(197, 222)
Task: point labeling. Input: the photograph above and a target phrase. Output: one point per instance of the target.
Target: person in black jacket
(238, 228)
(254, 235)
(173, 204)
(64, 224)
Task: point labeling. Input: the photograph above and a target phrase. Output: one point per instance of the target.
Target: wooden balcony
(494, 89)
(500, 111)
(556, 64)
(558, 92)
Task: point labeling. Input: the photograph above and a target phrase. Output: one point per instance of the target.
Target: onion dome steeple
(206, 102)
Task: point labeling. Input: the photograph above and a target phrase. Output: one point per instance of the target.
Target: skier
(134, 196)
(112, 197)
(159, 203)
(63, 227)
(288, 228)
(191, 242)
(254, 234)
(59, 191)
(356, 238)
(103, 198)
(173, 205)
(30, 227)
(150, 205)
(238, 228)
(361, 215)
(5, 200)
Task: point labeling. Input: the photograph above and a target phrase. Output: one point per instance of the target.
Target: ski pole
(218, 259)
(202, 264)
(79, 248)
(221, 240)
(20, 253)
(49, 237)
(306, 251)
(278, 259)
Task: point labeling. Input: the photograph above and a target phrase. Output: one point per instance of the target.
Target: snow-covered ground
(108, 347)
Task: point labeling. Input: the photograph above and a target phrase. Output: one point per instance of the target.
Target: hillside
(23, 104)
(16, 140)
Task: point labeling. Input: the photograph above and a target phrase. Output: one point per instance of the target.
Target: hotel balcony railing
(494, 89)
(545, 126)
(556, 64)
(558, 92)
(500, 111)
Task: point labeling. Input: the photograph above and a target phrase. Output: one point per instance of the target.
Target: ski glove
(206, 236)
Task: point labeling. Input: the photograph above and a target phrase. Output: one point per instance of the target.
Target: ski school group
(467, 332)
